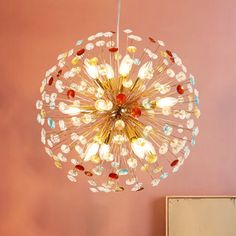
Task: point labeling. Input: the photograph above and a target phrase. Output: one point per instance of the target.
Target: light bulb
(141, 147)
(102, 105)
(166, 102)
(92, 70)
(71, 110)
(92, 149)
(109, 72)
(137, 146)
(104, 151)
(126, 65)
(146, 71)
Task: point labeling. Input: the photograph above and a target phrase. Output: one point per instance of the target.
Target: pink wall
(35, 198)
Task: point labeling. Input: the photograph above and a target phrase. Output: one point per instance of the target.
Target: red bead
(59, 73)
(79, 167)
(113, 176)
(136, 112)
(80, 52)
(169, 53)
(88, 173)
(121, 98)
(180, 89)
(70, 93)
(113, 49)
(172, 59)
(140, 189)
(152, 40)
(174, 163)
(50, 81)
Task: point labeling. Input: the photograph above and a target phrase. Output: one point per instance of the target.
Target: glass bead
(51, 123)
(170, 73)
(58, 164)
(131, 49)
(167, 130)
(152, 40)
(164, 175)
(161, 43)
(71, 178)
(79, 42)
(115, 164)
(122, 172)
(119, 189)
(92, 182)
(113, 49)
(50, 81)
(158, 169)
(140, 189)
(120, 99)
(89, 46)
(70, 93)
(127, 31)
(145, 167)
(80, 52)
(174, 163)
(113, 176)
(94, 190)
(155, 182)
(132, 163)
(79, 167)
(130, 181)
(136, 112)
(181, 76)
(180, 89)
(192, 80)
(98, 170)
(88, 173)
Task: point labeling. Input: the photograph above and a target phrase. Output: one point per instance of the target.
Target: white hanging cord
(118, 25)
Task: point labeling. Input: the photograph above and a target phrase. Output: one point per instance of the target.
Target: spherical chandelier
(114, 113)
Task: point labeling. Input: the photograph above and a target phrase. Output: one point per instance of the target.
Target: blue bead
(196, 100)
(79, 42)
(192, 80)
(164, 175)
(51, 123)
(122, 172)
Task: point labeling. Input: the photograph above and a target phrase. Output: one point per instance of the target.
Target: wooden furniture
(201, 216)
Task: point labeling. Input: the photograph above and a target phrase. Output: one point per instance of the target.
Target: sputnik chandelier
(114, 113)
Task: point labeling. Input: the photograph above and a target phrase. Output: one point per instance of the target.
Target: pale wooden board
(201, 216)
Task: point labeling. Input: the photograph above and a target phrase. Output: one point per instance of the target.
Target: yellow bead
(145, 167)
(55, 158)
(197, 112)
(190, 97)
(93, 61)
(131, 49)
(163, 54)
(74, 61)
(158, 169)
(58, 164)
(160, 69)
(43, 113)
(117, 56)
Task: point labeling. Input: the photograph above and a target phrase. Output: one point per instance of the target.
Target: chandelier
(114, 113)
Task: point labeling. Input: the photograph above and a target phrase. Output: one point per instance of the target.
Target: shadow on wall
(158, 217)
